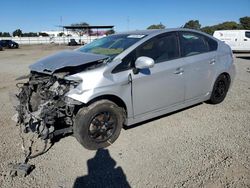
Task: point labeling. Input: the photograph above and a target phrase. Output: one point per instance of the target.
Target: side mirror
(143, 63)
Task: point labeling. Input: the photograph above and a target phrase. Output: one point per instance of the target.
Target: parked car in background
(238, 40)
(123, 79)
(9, 44)
(73, 42)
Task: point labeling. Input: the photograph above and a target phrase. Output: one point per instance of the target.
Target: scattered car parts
(20, 169)
(43, 104)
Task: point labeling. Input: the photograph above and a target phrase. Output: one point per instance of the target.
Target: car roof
(145, 32)
(158, 31)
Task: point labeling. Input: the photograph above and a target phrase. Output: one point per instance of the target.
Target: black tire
(220, 89)
(88, 124)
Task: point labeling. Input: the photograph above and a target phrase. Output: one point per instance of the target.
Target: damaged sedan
(120, 80)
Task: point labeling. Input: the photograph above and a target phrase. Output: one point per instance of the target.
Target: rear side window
(247, 34)
(192, 44)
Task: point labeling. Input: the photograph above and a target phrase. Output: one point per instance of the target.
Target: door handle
(179, 71)
(211, 62)
(245, 39)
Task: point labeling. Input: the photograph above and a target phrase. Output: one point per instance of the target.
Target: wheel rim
(220, 89)
(102, 126)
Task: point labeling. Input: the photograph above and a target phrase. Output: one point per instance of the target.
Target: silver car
(123, 79)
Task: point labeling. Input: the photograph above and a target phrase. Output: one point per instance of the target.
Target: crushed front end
(43, 107)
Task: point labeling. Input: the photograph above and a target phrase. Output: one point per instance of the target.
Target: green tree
(245, 22)
(43, 34)
(208, 29)
(6, 34)
(227, 26)
(110, 32)
(157, 26)
(60, 34)
(80, 32)
(18, 33)
(193, 24)
(222, 26)
(30, 34)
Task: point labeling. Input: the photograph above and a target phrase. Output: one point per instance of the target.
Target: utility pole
(60, 20)
(62, 30)
(128, 22)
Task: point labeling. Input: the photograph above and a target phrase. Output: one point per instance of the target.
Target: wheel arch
(215, 78)
(227, 76)
(117, 100)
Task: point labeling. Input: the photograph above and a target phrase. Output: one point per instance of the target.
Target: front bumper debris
(43, 107)
(20, 169)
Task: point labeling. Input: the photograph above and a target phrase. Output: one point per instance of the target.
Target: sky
(35, 16)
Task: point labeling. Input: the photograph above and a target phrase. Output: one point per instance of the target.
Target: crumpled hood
(67, 58)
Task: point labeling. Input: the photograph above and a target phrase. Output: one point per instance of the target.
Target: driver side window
(161, 48)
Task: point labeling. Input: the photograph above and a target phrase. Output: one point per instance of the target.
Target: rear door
(199, 55)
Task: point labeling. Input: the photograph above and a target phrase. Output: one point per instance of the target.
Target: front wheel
(98, 125)
(220, 89)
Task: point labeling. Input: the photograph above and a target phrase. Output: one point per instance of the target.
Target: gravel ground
(203, 146)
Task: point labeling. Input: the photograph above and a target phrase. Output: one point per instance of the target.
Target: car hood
(65, 59)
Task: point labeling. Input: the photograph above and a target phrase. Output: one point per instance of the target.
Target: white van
(238, 40)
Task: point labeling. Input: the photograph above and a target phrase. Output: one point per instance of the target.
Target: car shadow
(102, 172)
(59, 137)
(243, 57)
(158, 117)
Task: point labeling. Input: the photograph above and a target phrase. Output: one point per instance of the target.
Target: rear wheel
(99, 124)
(220, 89)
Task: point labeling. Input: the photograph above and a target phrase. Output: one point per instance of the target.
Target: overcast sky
(33, 15)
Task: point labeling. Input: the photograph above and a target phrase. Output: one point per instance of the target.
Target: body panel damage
(49, 101)
(64, 59)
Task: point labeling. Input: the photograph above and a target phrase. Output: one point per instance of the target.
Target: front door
(161, 86)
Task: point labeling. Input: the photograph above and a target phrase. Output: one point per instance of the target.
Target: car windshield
(111, 45)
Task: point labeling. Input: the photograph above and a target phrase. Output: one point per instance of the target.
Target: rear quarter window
(212, 44)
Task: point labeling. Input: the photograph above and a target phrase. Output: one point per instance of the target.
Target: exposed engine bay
(43, 107)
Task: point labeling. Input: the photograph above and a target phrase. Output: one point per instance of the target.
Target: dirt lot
(203, 146)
